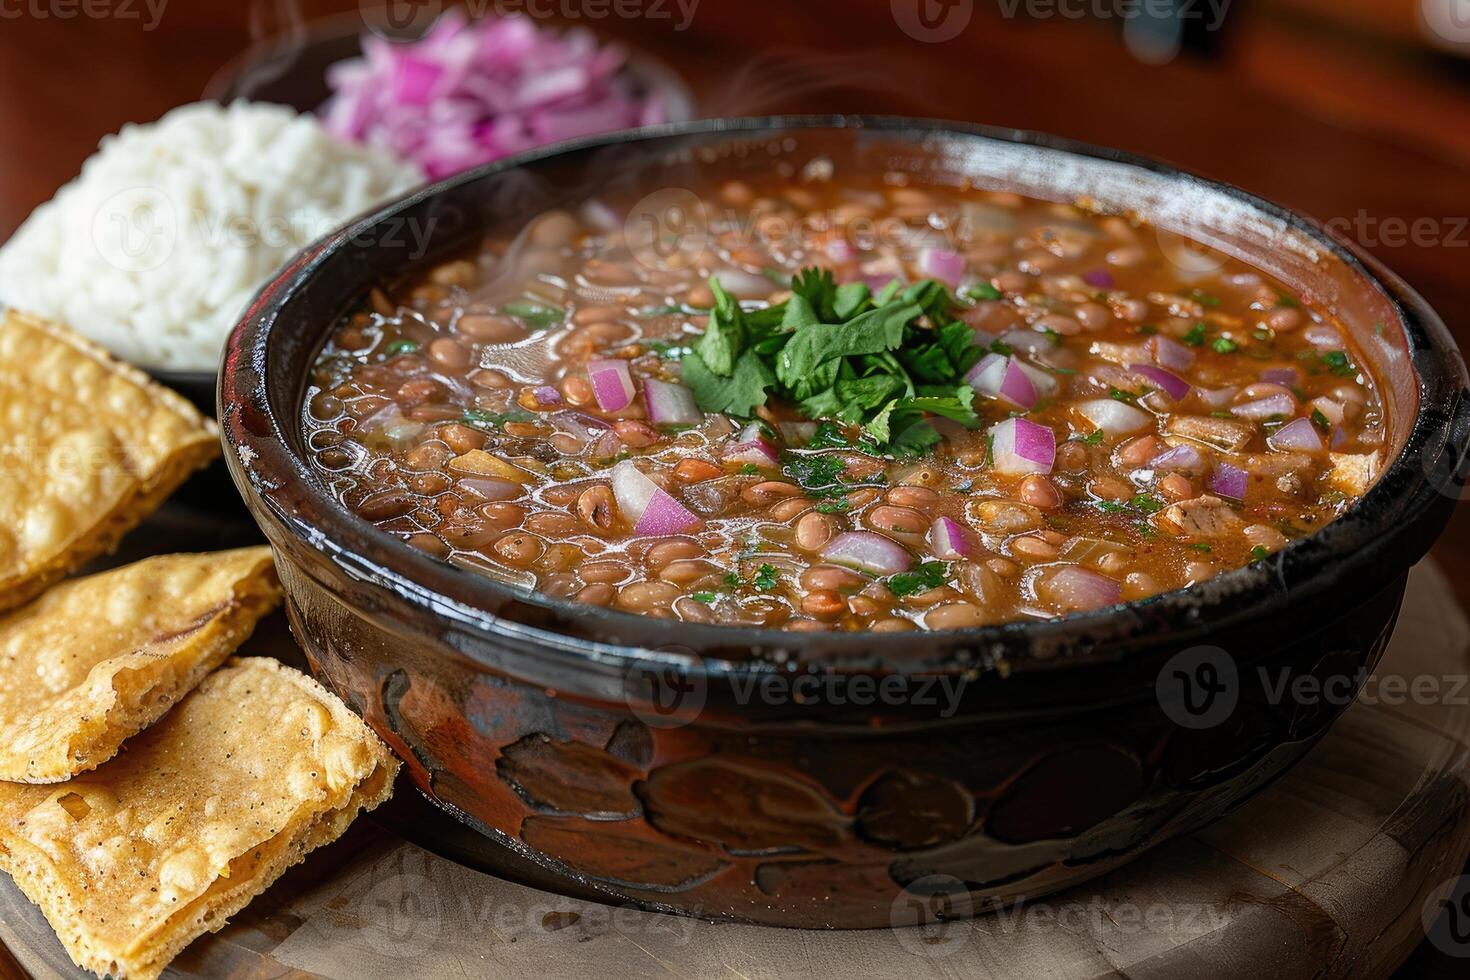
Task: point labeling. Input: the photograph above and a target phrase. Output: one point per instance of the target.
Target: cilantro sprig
(885, 361)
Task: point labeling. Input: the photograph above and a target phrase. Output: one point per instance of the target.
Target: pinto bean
(596, 507)
(814, 530)
(900, 519)
(769, 492)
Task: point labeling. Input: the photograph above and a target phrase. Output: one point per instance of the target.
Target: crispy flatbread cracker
(253, 769)
(98, 659)
(89, 446)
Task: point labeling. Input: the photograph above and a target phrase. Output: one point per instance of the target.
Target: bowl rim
(259, 456)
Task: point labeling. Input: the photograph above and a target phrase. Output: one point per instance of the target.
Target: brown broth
(429, 415)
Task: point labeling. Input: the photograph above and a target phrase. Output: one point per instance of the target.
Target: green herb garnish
(707, 598)
(766, 578)
(1287, 302)
(749, 469)
(1321, 421)
(402, 347)
(1259, 553)
(923, 577)
(667, 349)
(1203, 549)
(980, 290)
(1203, 298)
(1196, 335)
(886, 362)
(1224, 345)
(1146, 503)
(828, 435)
(1093, 438)
(1119, 395)
(535, 315)
(1340, 364)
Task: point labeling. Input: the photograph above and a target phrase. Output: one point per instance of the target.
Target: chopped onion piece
(1229, 481)
(797, 433)
(1184, 457)
(1045, 383)
(1101, 278)
(648, 507)
(867, 551)
(753, 448)
(1071, 588)
(1218, 397)
(1114, 417)
(1264, 408)
(1170, 353)
(612, 385)
(670, 404)
(1030, 341)
(546, 395)
(943, 265)
(1286, 377)
(1021, 446)
(1298, 435)
(1171, 384)
(950, 540)
(1331, 409)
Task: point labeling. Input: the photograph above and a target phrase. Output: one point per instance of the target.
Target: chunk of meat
(1352, 473)
(1202, 517)
(1226, 434)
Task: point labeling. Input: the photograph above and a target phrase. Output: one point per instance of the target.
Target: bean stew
(816, 404)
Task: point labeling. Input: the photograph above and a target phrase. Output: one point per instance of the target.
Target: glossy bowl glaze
(838, 780)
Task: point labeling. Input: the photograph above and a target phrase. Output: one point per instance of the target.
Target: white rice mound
(155, 250)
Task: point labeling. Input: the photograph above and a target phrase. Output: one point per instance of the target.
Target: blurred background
(1356, 112)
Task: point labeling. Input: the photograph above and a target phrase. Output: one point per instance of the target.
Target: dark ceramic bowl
(684, 767)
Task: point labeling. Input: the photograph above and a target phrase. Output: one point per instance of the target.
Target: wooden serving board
(1327, 873)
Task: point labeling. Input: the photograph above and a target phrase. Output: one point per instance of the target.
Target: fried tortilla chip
(253, 769)
(97, 659)
(88, 447)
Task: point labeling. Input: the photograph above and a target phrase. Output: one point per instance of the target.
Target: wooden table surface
(1367, 136)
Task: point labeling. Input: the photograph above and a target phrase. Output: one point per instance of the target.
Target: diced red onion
(383, 417)
(1218, 397)
(1298, 435)
(1170, 383)
(1072, 588)
(943, 265)
(1339, 437)
(608, 445)
(584, 428)
(1003, 378)
(1331, 409)
(1229, 481)
(546, 395)
(1030, 341)
(670, 404)
(950, 540)
(1021, 446)
(612, 385)
(867, 551)
(1182, 457)
(1114, 417)
(600, 215)
(1045, 382)
(647, 506)
(1101, 278)
(752, 447)
(1286, 377)
(1264, 408)
(1170, 353)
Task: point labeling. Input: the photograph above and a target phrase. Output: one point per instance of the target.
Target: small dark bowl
(679, 766)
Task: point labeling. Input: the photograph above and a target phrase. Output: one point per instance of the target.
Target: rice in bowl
(157, 247)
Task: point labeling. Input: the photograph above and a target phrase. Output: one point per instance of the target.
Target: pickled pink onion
(468, 92)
